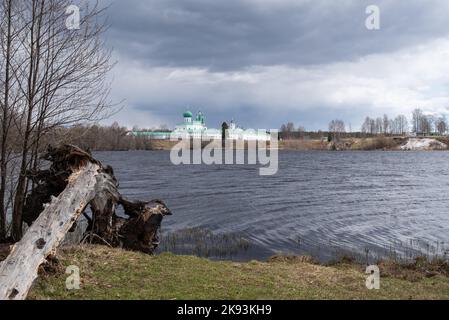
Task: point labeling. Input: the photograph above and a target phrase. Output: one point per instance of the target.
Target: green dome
(188, 114)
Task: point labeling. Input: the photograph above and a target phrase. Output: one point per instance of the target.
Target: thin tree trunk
(63, 84)
(22, 180)
(5, 130)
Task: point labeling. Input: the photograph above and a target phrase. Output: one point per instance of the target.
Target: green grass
(115, 274)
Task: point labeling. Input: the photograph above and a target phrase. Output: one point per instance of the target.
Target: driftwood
(74, 181)
(19, 270)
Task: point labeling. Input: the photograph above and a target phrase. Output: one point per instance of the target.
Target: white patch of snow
(415, 144)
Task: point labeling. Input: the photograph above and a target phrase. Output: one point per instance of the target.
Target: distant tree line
(288, 131)
(104, 138)
(119, 138)
(420, 124)
(386, 126)
(428, 124)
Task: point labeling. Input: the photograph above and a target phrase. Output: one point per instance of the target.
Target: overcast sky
(266, 62)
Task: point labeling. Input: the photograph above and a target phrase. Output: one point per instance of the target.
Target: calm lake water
(324, 204)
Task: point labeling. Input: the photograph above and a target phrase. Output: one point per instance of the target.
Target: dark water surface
(373, 204)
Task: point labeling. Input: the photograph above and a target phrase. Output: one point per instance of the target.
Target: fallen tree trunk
(75, 180)
(140, 231)
(20, 268)
(5, 249)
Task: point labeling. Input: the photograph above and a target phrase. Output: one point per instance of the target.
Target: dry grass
(115, 274)
(303, 145)
(162, 144)
(417, 270)
(444, 140)
(378, 143)
(356, 144)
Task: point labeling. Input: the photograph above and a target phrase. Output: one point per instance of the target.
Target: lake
(324, 204)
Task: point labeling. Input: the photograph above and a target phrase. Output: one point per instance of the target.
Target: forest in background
(118, 138)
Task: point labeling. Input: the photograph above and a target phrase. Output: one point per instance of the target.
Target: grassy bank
(347, 144)
(115, 274)
(355, 144)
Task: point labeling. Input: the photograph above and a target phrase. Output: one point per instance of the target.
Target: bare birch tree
(58, 76)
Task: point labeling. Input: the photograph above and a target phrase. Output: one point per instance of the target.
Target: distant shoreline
(345, 144)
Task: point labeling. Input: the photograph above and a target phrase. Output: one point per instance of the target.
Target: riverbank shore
(380, 143)
(116, 274)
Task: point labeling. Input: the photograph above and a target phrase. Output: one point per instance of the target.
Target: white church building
(196, 128)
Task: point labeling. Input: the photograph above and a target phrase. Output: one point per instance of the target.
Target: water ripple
(319, 202)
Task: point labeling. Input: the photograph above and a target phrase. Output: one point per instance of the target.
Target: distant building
(236, 133)
(196, 128)
(153, 135)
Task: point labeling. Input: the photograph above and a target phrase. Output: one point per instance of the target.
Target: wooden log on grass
(20, 268)
(74, 181)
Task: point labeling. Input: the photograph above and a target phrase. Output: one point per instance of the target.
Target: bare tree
(441, 125)
(425, 125)
(288, 129)
(401, 124)
(336, 128)
(5, 39)
(56, 77)
(9, 97)
(366, 126)
(386, 124)
(417, 119)
(379, 126)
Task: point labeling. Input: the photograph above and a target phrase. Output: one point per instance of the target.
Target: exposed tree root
(139, 232)
(61, 194)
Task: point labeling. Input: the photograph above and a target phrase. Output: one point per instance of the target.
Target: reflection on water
(374, 204)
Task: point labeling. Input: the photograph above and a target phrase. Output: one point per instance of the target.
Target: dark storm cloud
(266, 62)
(234, 34)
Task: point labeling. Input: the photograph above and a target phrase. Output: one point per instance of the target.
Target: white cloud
(389, 83)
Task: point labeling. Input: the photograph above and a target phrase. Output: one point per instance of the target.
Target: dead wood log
(20, 268)
(101, 224)
(74, 181)
(140, 232)
(50, 183)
